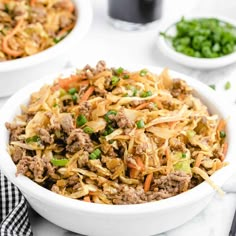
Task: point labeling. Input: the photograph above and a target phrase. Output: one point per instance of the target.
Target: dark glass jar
(134, 14)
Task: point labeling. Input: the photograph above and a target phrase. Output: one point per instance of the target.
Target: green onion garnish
(34, 139)
(140, 124)
(95, 154)
(146, 94)
(126, 76)
(183, 155)
(55, 105)
(143, 72)
(114, 80)
(57, 40)
(72, 91)
(88, 130)
(227, 85)
(222, 134)
(81, 120)
(119, 71)
(59, 162)
(109, 130)
(106, 116)
(212, 86)
(74, 97)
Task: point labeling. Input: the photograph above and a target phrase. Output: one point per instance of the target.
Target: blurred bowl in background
(14, 74)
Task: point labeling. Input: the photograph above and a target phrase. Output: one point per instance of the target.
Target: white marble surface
(105, 42)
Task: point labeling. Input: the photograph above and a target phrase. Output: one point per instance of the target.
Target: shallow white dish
(200, 63)
(128, 220)
(15, 74)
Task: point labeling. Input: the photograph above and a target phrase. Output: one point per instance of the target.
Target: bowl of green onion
(200, 42)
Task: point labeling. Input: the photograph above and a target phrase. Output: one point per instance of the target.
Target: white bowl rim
(83, 22)
(33, 190)
(204, 63)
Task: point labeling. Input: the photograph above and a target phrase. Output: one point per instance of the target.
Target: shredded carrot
(5, 47)
(158, 102)
(220, 127)
(87, 199)
(225, 149)
(133, 173)
(172, 124)
(83, 82)
(169, 161)
(32, 2)
(139, 166)
(71, 6)
(198, 161)
(140, 163)
(87, 94)
(131, 165)
(147, 182)
(65, 30)
(66, 83)
(142, 106)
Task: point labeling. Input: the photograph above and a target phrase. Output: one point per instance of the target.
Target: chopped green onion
(183, 155)
(143, 72)
(95, 154)
(59, 162)
(88, 130)
(81, 120)
(34, 139)
(212, 86)
(126, 76)
(227, 85)
(57, 40)
(119, 71)
(222, 134)
(146, 94)
(140, 124)
(114, 80)
(111, 112)
(6, 8)
(55, 105)
(135, 91)
(109, 130)
(190, 133)
(62, 92)
(74, 97)
(72, 91)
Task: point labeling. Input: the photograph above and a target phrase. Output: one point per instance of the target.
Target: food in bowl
(108, 135)
(29, 27)
(202, 37)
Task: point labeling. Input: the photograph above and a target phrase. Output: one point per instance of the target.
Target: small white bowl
(15, 74)
(127, 220)
(167, 49)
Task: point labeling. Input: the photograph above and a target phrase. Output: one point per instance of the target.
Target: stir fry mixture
(30, 26)
(108, 135)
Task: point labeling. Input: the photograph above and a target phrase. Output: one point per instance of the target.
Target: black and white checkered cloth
(13, 211)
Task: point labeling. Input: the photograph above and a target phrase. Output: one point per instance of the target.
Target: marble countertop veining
(107, 43)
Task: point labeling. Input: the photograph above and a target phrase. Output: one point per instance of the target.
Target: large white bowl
(15, 74)
(127, 220)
